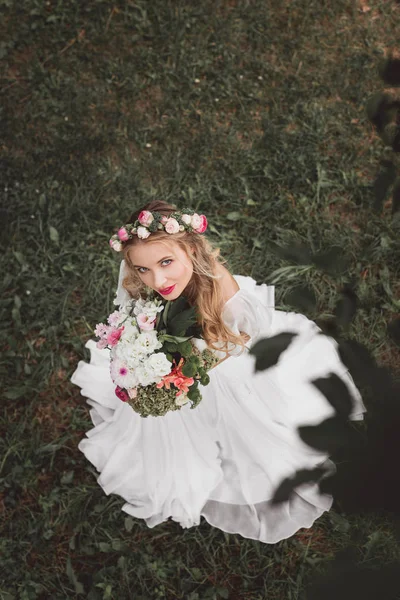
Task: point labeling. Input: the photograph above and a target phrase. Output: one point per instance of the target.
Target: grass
(252, 112)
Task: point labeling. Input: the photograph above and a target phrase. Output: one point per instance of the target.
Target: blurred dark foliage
(367, 476)
(331, 260)
(268, 351)
(396, 197)
(393, 329)
(383, 184)
(348, 581)
(383, 111)
(346, 307)
(303, 297)
(389, 71)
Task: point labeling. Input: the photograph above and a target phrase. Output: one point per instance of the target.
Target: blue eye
(168, 261)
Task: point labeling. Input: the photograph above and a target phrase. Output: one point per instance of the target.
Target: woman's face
(162, 266)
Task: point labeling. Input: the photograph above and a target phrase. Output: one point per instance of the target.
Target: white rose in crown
(116, 245)
(196, 221)
(172, 226)
(187, 219)
(143, 233)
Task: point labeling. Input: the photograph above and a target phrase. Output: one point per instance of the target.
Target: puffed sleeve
(246, 313)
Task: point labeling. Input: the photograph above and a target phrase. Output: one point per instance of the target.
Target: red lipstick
(168, 290)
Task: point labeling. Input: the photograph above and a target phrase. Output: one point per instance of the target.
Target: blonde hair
(203, 290)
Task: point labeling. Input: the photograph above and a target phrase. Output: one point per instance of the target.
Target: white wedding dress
(224, 459)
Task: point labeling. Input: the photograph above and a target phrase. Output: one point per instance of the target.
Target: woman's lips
(168, 290)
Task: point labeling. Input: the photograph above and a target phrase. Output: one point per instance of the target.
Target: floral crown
(149, 222)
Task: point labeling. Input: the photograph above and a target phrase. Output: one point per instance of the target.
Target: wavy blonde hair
(204, 288)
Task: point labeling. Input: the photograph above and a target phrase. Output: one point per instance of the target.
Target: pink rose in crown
(203, 225)
(145, 323)
(123, 234)
(163, 219)
(114, 335)
(145, 218)
(143, 233)
(122, 394)
(172, 226)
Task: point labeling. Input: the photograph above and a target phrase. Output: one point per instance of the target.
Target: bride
(224, 459)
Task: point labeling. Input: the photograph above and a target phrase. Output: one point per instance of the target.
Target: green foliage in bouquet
(177, 325)
(179, 319)
(152, 401)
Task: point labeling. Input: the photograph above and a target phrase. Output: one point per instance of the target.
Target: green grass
(101, 112)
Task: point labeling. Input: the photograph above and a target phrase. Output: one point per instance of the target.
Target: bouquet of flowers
(156, 359)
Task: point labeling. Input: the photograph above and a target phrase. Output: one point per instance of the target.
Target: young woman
(224, 459)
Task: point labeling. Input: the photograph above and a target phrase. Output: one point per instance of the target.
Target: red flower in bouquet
(177, 378)
(122, 394)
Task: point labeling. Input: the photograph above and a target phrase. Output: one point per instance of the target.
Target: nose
(159, 280)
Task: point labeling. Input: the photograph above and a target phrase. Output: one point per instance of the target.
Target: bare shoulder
(229, 285)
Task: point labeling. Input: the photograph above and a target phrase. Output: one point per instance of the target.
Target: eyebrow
(160, 261)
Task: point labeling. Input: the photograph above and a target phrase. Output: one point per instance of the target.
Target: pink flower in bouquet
(183, 383)
(101, 344)
(122, 394)
(132, 393)
(203, 224)
(145, 218)
(114, 335)
(123, 234)
(145, 323)
(114, 318)
(172, 226)
(101, 330)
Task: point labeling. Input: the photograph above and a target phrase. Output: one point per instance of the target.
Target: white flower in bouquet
(150, 308)
(126, 352)
(181, 400)
(145, 374)
(122, 375)
(199, 343)
(146, 343)
(116, 318)
(160, 365)
(130, 332)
